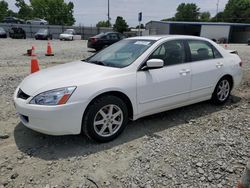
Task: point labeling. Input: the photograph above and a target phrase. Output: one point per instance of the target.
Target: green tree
(3, 9)
(187, 12)
(205, 16)
(237, 11)
(54, 11)
(103, 24)
(120, 25)
(218, 17)
(142, 26)
(25, 11)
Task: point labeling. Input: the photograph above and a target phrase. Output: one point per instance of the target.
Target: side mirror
(154, 64)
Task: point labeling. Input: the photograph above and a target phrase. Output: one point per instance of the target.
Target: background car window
(200, 50)
(172, 52)
(113, 36)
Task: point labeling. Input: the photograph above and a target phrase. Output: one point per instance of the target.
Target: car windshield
(121, 54)
(68, 32)
(44, 31)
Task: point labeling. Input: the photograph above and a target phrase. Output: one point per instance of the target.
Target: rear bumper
(237, 79)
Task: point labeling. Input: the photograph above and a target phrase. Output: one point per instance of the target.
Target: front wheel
(105, 119)
(222, 91)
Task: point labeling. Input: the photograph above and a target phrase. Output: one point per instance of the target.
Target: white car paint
(67, 35)
(149, 92)
(37, 21)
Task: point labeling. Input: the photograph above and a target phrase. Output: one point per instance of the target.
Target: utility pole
(217, 10)
(108, 15)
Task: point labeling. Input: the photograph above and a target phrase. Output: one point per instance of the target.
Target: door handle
(219, 65)
(184, 72)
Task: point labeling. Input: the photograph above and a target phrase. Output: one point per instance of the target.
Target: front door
(169, 86)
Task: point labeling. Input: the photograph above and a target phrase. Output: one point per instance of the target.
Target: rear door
(207, 68)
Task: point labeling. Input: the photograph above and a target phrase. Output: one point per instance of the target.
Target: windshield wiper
(97, 62)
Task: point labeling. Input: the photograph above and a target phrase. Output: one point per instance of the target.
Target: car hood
(69, 74)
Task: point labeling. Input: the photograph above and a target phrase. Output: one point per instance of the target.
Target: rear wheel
(222, 91)
(105, 119)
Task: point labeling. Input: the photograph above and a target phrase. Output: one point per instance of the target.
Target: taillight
(241, 63)
(93, 40)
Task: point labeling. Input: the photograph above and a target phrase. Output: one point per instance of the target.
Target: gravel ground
(196, 146)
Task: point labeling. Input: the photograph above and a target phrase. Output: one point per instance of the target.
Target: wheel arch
(230, 77)
(118, 94)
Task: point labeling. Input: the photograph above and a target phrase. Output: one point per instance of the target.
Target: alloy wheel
(223, 90)
(108, 120)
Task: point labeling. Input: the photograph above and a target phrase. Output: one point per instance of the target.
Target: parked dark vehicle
(13, 20)
(248, 41)
(3, 33)
(43, 34)
(103, 40)
(17, 33)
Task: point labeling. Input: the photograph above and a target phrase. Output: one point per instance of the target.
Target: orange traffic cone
(49, 50)
(33, 51)
(34, 64)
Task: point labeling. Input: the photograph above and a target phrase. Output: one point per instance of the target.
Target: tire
(222, 91)
(99, 112)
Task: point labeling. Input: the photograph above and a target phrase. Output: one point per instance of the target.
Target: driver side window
(171, 52)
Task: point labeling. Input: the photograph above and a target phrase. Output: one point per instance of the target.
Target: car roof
(159, 37)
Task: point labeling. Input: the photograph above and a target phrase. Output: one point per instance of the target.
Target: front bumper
(52, 120)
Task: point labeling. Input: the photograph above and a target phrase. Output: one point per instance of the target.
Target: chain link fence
(56, 30)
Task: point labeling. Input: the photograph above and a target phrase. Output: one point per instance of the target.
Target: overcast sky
(89, 12)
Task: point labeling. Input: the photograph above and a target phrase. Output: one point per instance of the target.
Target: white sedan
(68, 34)
(133, 78)
(37, 21)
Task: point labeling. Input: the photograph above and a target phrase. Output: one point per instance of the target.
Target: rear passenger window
(217, 53)
(200, 50)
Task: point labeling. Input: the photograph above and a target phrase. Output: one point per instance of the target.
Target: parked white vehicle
(37, 21)
(133, 78)
(68, 34)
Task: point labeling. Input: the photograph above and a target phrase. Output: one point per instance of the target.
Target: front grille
(22, 95)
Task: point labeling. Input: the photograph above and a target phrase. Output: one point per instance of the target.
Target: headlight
(53, 97)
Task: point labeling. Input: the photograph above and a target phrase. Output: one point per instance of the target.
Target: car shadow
(60, 147)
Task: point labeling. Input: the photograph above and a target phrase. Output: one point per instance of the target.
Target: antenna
(108, 15)
(217, 10)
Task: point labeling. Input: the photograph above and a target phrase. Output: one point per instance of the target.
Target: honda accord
(130, 79)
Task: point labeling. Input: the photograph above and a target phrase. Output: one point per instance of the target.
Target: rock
(199, 164)
(14, 176)
(202, 178)
(220, 163)
(107, 183)
(219, 185)
(4, 136)
(200, 170)
(20, 156)
(210, 178)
